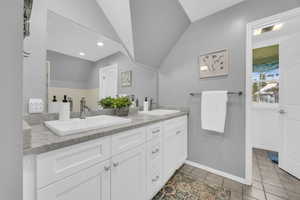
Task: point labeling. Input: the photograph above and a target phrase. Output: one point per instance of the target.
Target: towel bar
(240, 93)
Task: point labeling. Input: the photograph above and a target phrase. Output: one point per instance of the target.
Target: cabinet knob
(178, 132)
(155, 151)
(116, 164)
(107, 168)
(155, 179)
(156, 131)
(281, 111)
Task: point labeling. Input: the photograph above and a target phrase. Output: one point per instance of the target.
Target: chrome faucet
(83, 108)
(151, 103)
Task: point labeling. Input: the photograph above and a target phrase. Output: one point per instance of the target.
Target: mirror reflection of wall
(76, 56)
(71, 76)
(72, 51)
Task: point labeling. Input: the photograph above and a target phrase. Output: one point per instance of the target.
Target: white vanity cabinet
(133, 164)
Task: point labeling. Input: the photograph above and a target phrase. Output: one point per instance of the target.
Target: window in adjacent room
(265, 75)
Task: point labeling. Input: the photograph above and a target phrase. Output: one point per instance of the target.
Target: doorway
(272, 105)
(108, 81)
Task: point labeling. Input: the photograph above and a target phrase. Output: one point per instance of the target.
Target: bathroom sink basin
(159, 112)
(76, 125)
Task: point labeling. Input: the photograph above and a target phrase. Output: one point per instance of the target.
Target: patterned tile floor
(269, 182)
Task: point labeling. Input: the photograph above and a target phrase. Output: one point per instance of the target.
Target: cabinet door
(182, 134)
(128, 140)
(128, 175)
(172, 149)
(175, 145)
(90, 184)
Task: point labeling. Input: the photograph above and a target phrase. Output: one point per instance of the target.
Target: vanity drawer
(178, 129)
(127, 140)
(155, 167)
(154, 149)
(155, 179)
(155, 183)
(154, 131)
(59, 164)
(172, 124)
(90, 184)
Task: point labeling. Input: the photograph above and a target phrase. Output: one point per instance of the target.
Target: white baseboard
(218, 172)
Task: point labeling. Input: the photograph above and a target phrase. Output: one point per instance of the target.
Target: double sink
(76, 125)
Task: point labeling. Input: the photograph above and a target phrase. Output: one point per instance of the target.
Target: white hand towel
(213, 110)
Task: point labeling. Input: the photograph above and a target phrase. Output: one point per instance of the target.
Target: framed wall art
(126, 79)
(214, 64)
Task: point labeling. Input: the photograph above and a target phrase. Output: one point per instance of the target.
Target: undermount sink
(76, 125)
(160, 112)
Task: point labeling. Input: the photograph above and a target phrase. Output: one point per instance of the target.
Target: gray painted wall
(11, 40)
(144, 77)
(157, 25)
(68, 71)
(179, 75)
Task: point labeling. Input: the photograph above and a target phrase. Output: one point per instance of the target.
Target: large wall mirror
(73, 52)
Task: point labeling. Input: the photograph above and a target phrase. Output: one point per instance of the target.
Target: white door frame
(250, 27)
(101, 69)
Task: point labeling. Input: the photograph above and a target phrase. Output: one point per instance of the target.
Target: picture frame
(126, 79)
(214, 64)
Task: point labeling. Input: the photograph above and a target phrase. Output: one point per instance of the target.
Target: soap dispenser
(65, 99)
(54, 105)
(146, 105)
(64, 112)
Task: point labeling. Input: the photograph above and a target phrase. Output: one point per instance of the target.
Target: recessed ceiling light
(257, 31)
(277, 27)
(82, 54)
(100, 44)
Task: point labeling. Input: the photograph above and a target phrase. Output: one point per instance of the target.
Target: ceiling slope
(76, 39)
(157, 26)
(119, 15)
(86, 13)
(198, 9)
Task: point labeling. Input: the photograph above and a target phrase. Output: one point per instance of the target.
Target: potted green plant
(121, 105)
(107, 103)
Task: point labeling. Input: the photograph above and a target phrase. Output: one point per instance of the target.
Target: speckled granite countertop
(43, 140)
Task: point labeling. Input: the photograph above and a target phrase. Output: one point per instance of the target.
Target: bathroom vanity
(130, 161)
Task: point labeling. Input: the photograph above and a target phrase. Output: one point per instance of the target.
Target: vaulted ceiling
(77, 38)
(150, 28)
(198, 9)
(119, 14)
(157, 26)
